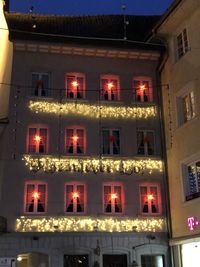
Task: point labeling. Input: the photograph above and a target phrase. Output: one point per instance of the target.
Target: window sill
(187, 123)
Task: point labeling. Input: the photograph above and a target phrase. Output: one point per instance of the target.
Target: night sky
(91, 7)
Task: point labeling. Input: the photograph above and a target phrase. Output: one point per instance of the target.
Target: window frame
(38, 127)
(143, 79)
(75, 185)
(75, 128)
(36, 184)
(186, 183)
(110, 77)
(182, 43)
(150, 262)
(112, 185)
(148, 185)
(187, 90)
(111, 146)
(146, 149)
(76, 76)
(46, 90)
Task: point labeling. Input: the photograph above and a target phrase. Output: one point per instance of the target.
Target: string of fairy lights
(93, 111)
(84, 165)
(89, 224)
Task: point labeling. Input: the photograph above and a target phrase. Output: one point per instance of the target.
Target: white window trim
(110, 77)
(112, 185)
(76, 75)
(148, 185)
(111, 144)
(180, 32)
(40, 91)
(36, 183)
(37, 127)
(75, 128)
(189, 87)
(142, 79)
(75, 184)
(183, 174)
(145, 145)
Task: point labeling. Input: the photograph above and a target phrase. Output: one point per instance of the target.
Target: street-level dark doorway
(115, 260)
(76, 261)
(152, 260)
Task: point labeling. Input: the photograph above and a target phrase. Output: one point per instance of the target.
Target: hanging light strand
(92, 111)
(123, 166)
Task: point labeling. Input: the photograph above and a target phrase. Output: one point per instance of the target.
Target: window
(111, 141)
(37, 139)
(110, 87)
(142, 89)
(75, 198)
(113, 260)
(112, 198)
(35, 197)
(76, 261)
(193, 180)
(182, 43)
(150, 199)
(152, 261)
(75, 140)
(145, 142)
(40, 84)
(75, 85)
(188, 106)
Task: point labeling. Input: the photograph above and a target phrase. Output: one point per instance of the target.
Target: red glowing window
(37, 140)
(35, 197)
(142, 89)
(110, 141)
(113, 198)
(75, 198)
(75, 140)
(145, 142)
(150, 198)
(75, 85)
(40, 84)
(110, 87)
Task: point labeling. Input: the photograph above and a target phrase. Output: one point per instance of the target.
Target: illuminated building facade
(180, 28)
(84, 177)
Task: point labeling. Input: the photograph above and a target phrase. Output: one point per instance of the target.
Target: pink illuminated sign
(192, 223)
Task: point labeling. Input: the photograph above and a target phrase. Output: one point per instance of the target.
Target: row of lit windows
(75, 198)
(75, 86)
(75, 141)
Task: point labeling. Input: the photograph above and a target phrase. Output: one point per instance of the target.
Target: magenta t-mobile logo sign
(192, 223)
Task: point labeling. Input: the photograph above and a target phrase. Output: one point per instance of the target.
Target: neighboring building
(180, 27)
(6, 49)
(84, 116)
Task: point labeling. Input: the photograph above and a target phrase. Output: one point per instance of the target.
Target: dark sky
(91, 7)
